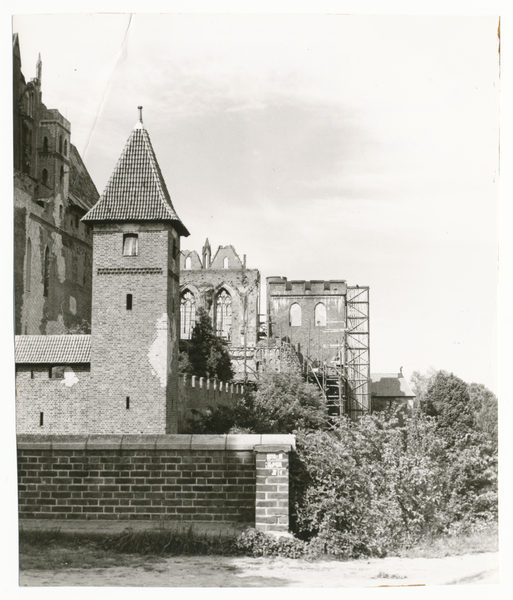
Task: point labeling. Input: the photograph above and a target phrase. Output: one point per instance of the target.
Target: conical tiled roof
(136, 190)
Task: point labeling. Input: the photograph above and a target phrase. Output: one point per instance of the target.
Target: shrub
(257, 543)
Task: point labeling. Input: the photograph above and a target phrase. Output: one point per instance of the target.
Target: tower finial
(140, 113)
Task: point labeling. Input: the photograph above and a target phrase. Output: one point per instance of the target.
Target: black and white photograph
(255, 280)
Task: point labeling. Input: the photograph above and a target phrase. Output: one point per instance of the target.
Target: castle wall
(63, 403)
(52, 190)
(311, 337)
(49, 224)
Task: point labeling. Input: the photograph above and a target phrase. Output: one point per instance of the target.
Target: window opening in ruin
(187, 315)
(44, 176)
(60, 144)
(130, 244)
(129, 301)
(62, 173)
(46, 272)
(225, 262)
(29, 265)
(188, 262)
(60, 211)
(45, 144)
(65, 147)
(128, 402)
(320, 315)
(295, 315)
(224, 315)
(41, 416)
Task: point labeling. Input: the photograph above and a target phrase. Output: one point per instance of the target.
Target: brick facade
(52, 191)
(316, 331)
(169, 477)
(134, 352)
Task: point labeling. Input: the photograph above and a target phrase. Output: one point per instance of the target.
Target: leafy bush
(282, 403)
(371, 487)
(257, 543)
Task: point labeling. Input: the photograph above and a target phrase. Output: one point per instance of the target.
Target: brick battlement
(280, 286)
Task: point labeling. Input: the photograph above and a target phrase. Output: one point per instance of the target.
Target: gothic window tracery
(224, 315)
(187, 315)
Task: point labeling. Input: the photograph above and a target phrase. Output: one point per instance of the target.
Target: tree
(486, 411)
(448, 400)
(420, 383)
(207, 353)
(282, 403)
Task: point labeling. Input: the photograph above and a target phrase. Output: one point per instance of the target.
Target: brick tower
(136, 297)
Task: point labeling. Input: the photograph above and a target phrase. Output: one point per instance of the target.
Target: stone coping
(283, 443)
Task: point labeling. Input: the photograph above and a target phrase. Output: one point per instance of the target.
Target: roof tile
(53, 349)
(136, 190)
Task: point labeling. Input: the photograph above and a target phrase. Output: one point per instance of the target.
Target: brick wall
(200, 393)
(173, 477)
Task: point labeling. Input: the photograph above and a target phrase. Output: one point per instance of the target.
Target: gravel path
(215, 571)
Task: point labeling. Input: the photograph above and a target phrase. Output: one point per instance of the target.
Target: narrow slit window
(31, 373)
(129, 301)
(130, 244)
(41, 417)
(127, 402)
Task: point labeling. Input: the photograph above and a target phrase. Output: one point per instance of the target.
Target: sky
(363, 148)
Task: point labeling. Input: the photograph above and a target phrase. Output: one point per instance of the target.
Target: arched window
(62, 173)
(224, 315)
(46, 272)
(188, 262)
(45, 144)
(225, 262)
(60, 144)
(44, 177)
(295, 315)
(28, 270)
(320, 315)
(187, 315)
(65, 147)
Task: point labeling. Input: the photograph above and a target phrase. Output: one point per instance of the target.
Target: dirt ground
(217, 571)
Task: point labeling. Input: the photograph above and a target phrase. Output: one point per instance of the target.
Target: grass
(486, 540)
(58, 550)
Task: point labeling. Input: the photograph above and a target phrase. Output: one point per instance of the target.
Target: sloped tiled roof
(136, 190)
(392, 385)
(53, 349)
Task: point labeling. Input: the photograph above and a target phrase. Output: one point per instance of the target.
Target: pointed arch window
(29, 265)
(187, 315)
(188, 262)
(295, 315)
(225, 262)
(46, 272)
(320, 315)
(224, 315)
